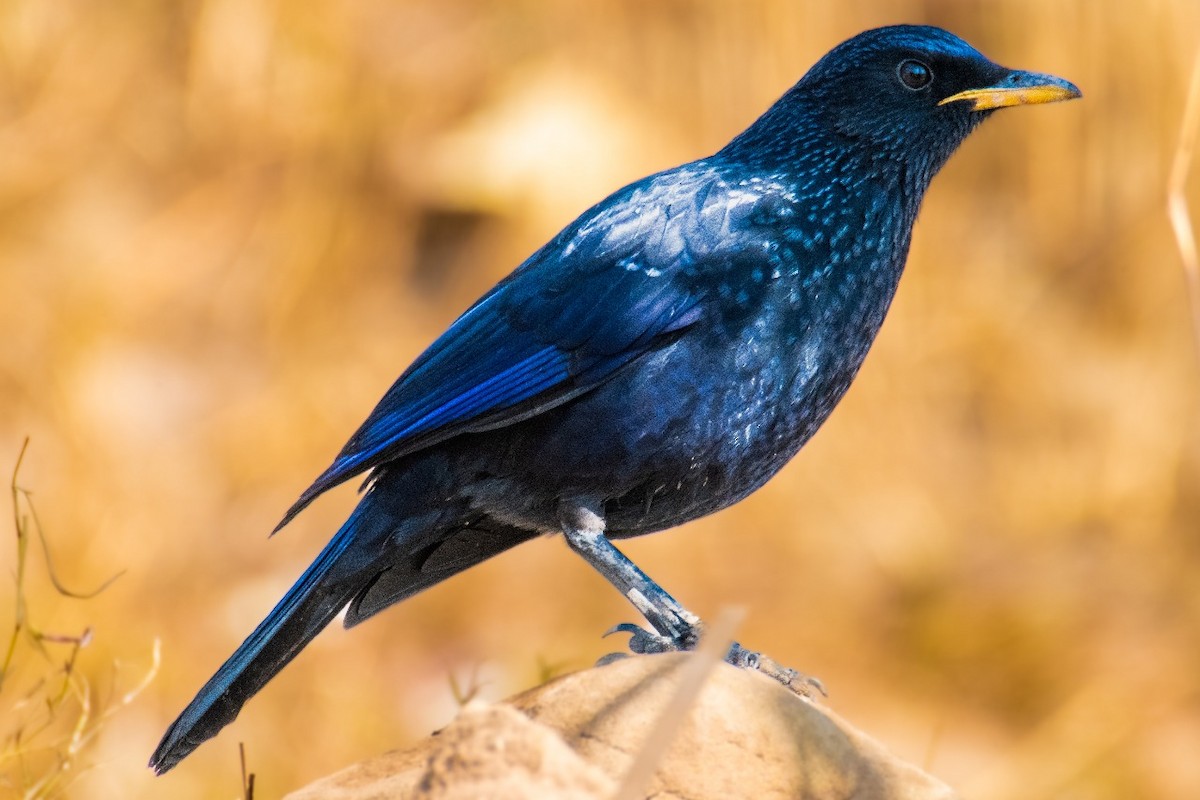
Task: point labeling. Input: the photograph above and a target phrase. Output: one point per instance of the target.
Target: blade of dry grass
(696, 670)
(1177, 204)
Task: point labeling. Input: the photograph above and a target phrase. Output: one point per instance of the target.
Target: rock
(577, 737)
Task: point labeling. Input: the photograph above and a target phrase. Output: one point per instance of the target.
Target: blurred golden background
(227, 225)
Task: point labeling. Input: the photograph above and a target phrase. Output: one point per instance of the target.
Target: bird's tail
(346, 565)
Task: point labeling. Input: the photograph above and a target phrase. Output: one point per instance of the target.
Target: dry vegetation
(52, 709)
(228, 224)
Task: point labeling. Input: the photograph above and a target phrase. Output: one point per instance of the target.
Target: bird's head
(914, 89)
(910, 92)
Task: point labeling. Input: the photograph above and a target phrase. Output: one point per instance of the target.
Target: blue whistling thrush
(659, 359)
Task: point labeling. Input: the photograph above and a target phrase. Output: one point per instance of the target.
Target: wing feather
(597, 297)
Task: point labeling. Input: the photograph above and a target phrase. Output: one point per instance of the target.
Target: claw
(621, 627)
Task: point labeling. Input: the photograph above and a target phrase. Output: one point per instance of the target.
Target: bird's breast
(753, 393)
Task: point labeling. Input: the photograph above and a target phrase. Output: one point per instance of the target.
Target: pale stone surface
(576, 737)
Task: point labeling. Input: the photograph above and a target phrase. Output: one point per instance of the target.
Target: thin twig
(19, 525)
(247, 777)
(50, 570)
(464, 694)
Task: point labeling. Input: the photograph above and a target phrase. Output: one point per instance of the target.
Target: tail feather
(340, 572)
(390, 548)
(406, 576)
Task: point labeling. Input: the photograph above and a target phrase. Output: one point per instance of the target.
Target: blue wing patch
(596, 297)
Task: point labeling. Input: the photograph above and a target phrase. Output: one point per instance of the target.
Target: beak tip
(1019, 88)
(1063, 88)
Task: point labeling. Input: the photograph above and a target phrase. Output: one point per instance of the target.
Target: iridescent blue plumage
(659, 359)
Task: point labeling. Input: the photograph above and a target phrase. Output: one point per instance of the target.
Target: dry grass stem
(695, 671)
(1177, 204)
(53, 715)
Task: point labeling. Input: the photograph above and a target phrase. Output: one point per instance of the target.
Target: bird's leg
(675, 628)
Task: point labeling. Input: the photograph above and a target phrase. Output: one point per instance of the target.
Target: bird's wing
(606, 290)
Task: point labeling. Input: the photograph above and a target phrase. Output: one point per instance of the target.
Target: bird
(657, 360)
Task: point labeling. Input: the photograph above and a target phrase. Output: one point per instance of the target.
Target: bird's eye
(914, 74)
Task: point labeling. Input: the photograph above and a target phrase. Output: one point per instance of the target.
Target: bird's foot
(804, 685)
(645, 642)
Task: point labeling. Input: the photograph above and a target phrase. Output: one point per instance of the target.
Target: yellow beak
(1018, 89)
